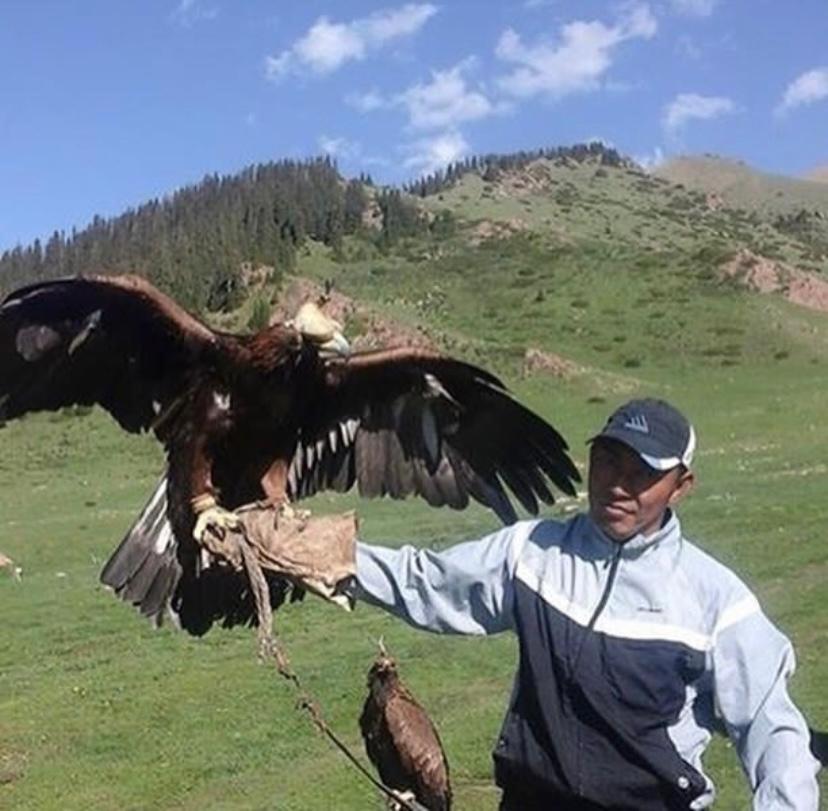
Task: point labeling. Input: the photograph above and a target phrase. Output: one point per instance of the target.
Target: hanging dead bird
(274, 417)
(7, 563)
(400, 739)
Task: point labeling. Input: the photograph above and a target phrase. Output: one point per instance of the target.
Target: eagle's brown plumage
(401, 740)
(266, 416)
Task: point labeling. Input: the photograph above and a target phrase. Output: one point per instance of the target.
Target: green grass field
(99, 711)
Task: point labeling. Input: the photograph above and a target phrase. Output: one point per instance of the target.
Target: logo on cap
(638, 422)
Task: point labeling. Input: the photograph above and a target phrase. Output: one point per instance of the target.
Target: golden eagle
(400, 739)
(275, 416)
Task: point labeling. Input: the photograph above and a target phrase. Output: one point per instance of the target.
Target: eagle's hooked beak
(323, 331)
(384, 663)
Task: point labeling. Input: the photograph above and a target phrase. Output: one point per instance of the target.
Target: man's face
(626, 495)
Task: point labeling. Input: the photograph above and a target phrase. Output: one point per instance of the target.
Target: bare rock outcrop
(496, 229)
(764, 275)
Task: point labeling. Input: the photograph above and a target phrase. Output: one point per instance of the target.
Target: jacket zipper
(602, 604)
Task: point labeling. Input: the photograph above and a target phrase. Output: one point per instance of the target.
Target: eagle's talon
(287, 511)
(406, 799)
(209, 515)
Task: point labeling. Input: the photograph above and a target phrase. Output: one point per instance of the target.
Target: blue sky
(107, 103)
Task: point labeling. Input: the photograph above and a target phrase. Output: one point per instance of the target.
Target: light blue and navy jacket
(630, 657)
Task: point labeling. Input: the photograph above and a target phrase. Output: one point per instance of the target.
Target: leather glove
(317, 553)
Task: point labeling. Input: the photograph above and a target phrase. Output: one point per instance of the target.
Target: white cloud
(650, 161)
(339, 147)
(327, 45)
(393, 23)
(445, 101)
(688, 106)
(694, 8)
(350, 152)
(366, 102)
(808, 88)
(189, 12)
(575, 62)
(430, 154)
(597, 139)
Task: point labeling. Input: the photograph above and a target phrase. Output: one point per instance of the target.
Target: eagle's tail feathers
(144, 569)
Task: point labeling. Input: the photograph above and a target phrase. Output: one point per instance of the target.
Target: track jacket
(630, 657)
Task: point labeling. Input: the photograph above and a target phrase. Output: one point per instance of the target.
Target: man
(634, 644)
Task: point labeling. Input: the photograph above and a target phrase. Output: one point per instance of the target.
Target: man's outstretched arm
(466, 589)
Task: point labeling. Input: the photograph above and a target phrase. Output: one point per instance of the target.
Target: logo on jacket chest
(649, 609)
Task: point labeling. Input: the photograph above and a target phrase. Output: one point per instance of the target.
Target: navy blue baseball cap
(658, 432)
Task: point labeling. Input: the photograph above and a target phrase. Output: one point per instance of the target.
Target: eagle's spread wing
(418, 747)
(400, 422)
(112, 340)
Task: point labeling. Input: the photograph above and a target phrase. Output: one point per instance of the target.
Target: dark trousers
(516, 798)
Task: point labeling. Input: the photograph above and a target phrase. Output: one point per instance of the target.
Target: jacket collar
(667, 535)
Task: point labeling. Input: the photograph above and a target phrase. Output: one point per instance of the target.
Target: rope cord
(270, 648)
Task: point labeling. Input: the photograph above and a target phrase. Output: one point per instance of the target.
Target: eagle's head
(384, 669)
(318, 328)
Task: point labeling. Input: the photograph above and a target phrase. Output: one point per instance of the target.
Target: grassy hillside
(613, 271)
(818, 174)
(744, 187)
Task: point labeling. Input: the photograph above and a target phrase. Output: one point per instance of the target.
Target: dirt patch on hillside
(535, 178)
(496, 229)
(364, 328)
(713, 201)
(536, 361)
(818, 175)
(12, 766)
(764, 275)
